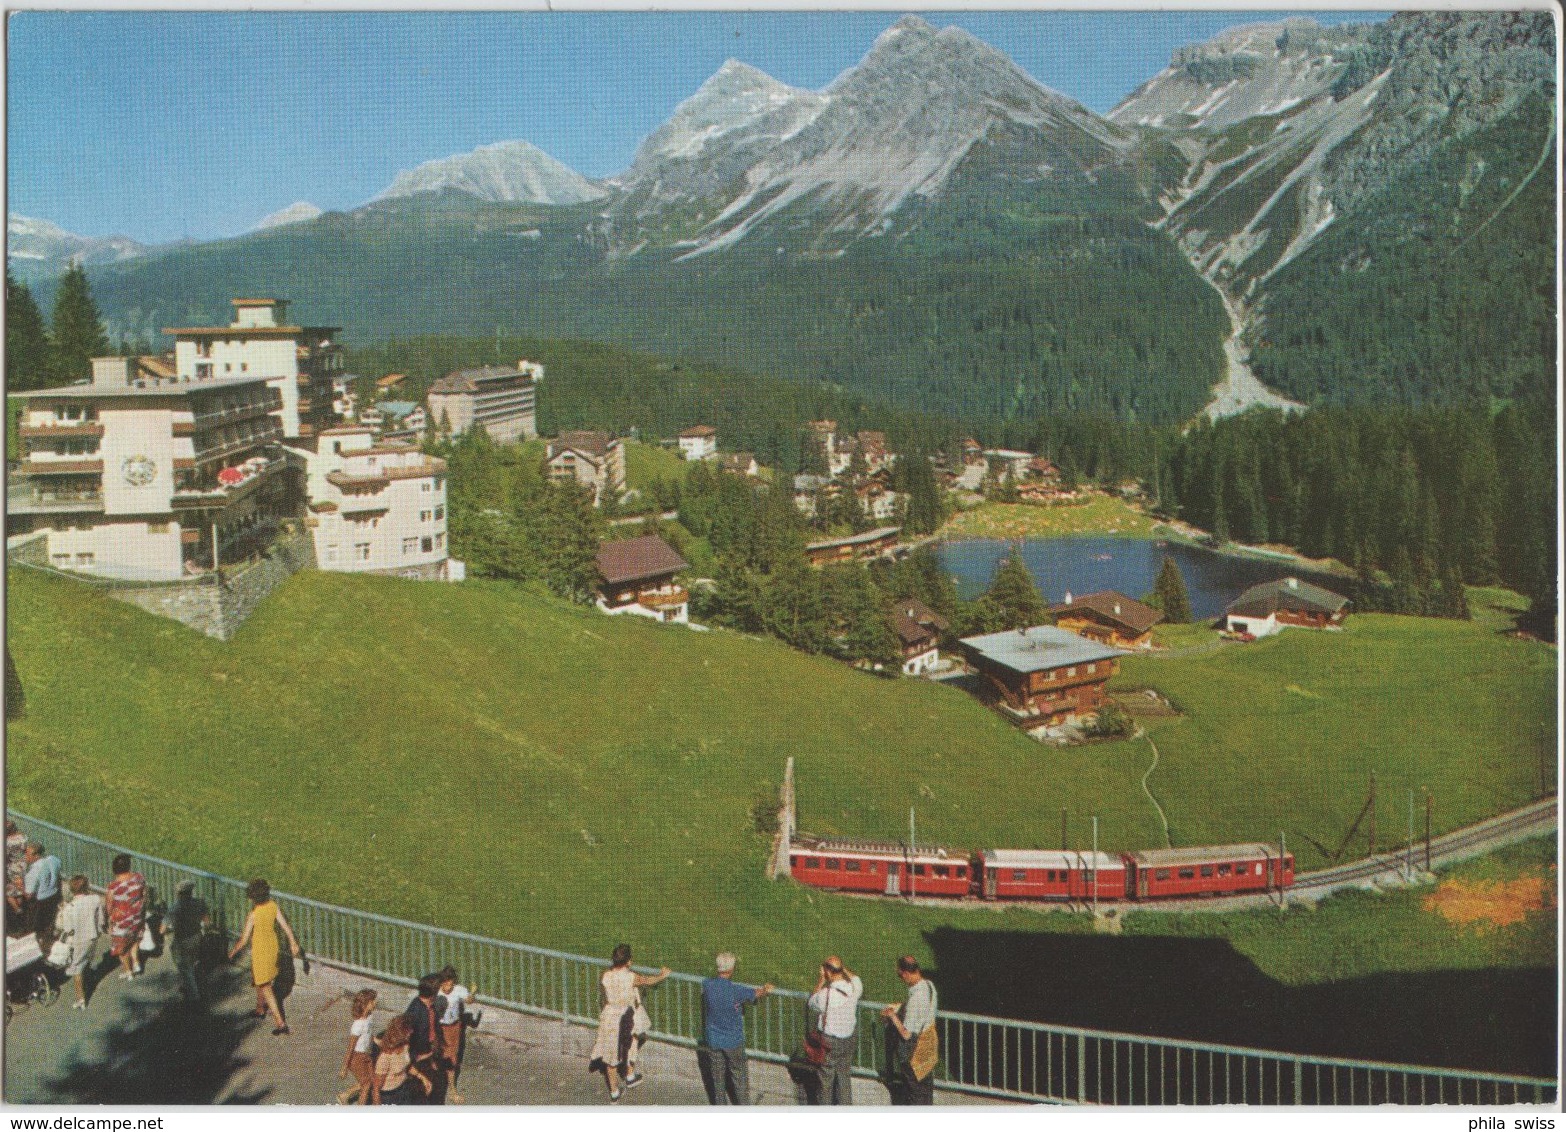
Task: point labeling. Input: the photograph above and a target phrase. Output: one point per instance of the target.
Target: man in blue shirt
(722, 1056)
(41, 888)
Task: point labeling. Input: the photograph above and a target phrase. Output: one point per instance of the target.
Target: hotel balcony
(59, 429)
(30, 499)
(666, 597)
(255, 472)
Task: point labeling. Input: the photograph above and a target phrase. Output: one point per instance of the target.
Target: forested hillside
(1439, 287)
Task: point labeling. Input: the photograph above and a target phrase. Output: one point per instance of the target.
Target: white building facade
(699, 443)
(145, 479)
(376, 507)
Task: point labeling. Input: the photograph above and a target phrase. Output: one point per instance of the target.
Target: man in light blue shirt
(41, 889)
(722, 1056)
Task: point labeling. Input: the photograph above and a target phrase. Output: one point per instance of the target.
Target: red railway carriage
(1214, 870)
(879, 866)
(1034, 874)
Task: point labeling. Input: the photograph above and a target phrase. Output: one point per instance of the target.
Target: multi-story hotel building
(145, 476)
(376, 507)
(299, 362)
(494, 398)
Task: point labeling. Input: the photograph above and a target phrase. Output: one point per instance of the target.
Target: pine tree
(1173, 598)
(1016, 594)
(15, 700)
(78, 328)
(926, 509)
(26, 339)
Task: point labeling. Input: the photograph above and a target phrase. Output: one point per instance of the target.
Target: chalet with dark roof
(591, 458)
(1110, 618)
(636, 575)
(1270, 607)
(918, 629)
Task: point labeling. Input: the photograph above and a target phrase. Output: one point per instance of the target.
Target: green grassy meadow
(1284, 733)
(1099, 515)
(499, 762)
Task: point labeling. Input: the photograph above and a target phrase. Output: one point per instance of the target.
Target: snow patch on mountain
(296, 213)
(505, 172)
(45, 248)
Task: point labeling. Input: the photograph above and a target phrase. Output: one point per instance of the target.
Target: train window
(892, 868)
(832, 862)
(962, 871)
(851, 866)
(1187, 874)
(812, 862)
(794, 861)
(942, 871)
(918, 870)
(1022, 874)
(1224, 870)
(1207, 870)
(1162, 874)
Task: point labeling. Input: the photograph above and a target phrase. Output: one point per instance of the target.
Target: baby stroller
(27, 972)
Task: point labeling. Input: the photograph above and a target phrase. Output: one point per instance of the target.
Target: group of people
(417, 1058)
(822, 1071)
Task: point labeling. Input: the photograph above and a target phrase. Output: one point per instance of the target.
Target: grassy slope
(1284, 733)
(1100, 515)
(645, 463)
(600, 766)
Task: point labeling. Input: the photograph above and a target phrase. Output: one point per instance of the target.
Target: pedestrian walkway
(136, 1043)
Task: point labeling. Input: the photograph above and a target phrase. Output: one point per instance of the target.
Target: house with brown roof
(918, 629)
(1110, 618)
(870, 544)
(1271, 607)
(591, 458)
(636, 575)
(699, 442)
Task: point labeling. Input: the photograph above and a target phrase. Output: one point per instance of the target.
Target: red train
(891, 869)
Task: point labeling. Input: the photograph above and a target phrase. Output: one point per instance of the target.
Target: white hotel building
(147, 477)
(376, 507)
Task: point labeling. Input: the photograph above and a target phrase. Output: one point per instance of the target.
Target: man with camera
(836, 1006)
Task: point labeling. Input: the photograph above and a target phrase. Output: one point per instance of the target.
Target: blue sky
(159, 125)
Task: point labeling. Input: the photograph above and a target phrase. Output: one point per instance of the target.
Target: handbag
(926, 1052)
(60, 953)
(149, 939)
(815, 1041)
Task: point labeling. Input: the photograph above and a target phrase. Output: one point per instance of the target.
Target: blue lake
(1084, 565)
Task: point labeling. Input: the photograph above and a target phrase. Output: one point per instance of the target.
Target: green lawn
(582, 779)
(645, 463)
(1283, 734)
(1191, 635)
(1099, 515)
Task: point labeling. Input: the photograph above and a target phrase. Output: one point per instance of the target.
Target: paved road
(137, 1044)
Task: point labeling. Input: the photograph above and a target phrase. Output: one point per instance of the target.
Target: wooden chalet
(1109, 618)
(870, 544)
(637, 576)
(1270, 607)
(1042, 675)
(918, 629)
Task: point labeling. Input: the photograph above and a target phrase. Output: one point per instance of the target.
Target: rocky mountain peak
(510, 171)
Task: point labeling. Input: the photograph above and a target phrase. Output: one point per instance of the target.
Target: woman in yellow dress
(261, 928)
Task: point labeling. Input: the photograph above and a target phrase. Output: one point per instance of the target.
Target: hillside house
(403, 421)
(1042, 675)
(918, 629)
(299, 362)
(591, 458)
(385, 385)
(699, 443)
(637, 576)
(1271, 607)
(143, 477)
(502, 400)
(1110, 618)
(807, 489)
(376, 506)
(853, 548)
(870, 446)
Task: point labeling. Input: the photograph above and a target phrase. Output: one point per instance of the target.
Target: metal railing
(1025, 1061)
